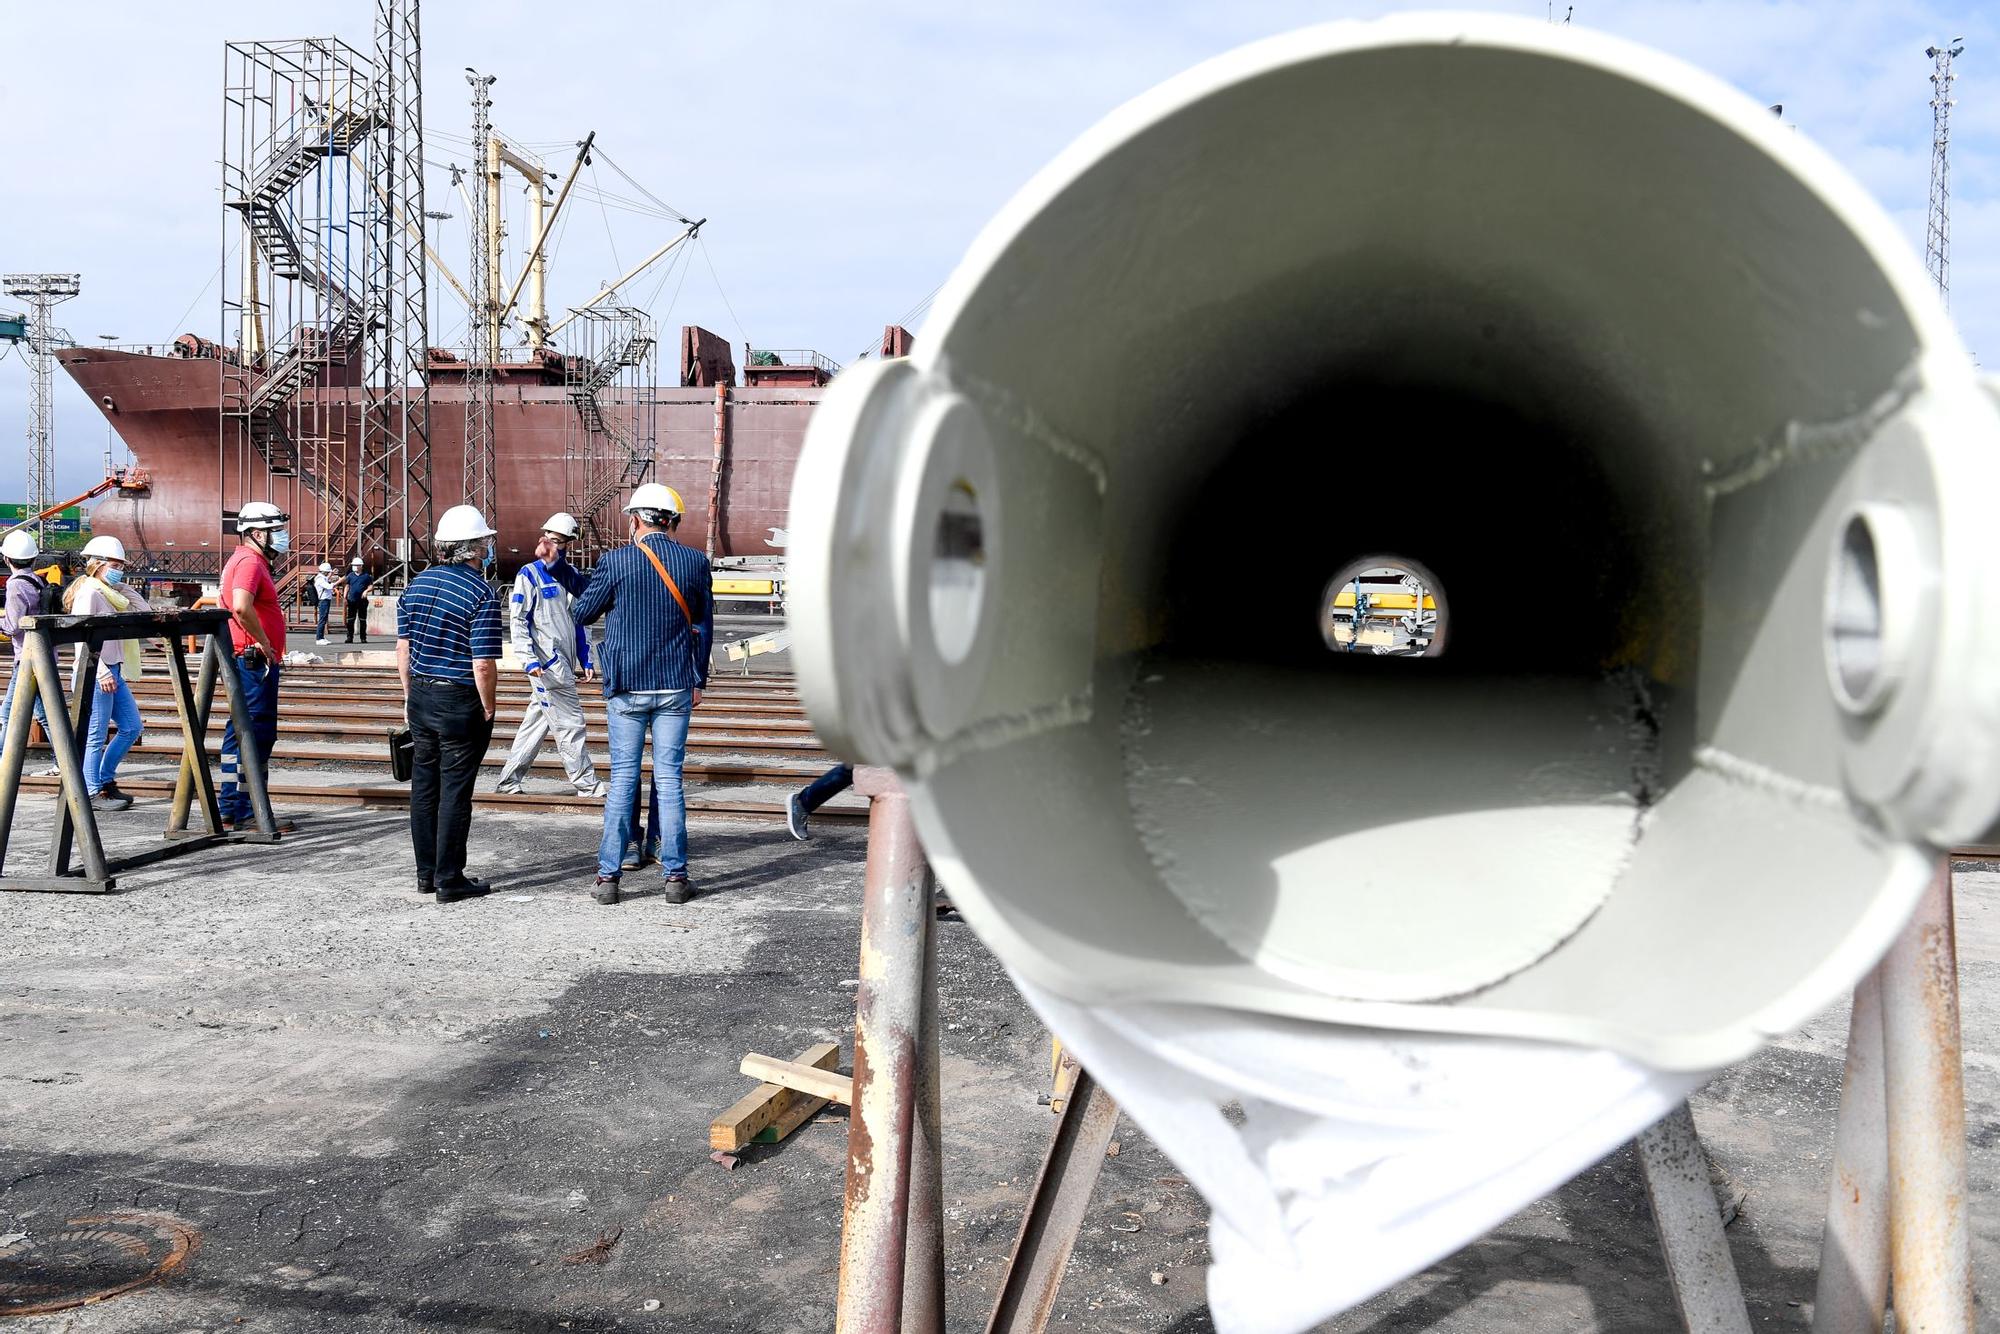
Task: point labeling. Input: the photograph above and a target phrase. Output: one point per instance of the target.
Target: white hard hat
(324, 568)
(20, 545)
(462, 523)
(108, 547)
(561, 522)
(260, 514)
(653, 496)
(356, 561)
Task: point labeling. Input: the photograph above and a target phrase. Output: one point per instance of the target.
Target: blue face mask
(113, 575)
(281, 541)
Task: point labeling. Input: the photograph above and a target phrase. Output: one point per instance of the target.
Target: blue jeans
(7, 706)
(325, 615)
(101, 758)
(260, 694)
(629, 718)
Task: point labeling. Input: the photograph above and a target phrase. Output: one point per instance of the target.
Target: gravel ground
(381, 1114)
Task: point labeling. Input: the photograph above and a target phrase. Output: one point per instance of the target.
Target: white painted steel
(1649, 826)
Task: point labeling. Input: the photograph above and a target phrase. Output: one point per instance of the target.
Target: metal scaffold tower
(609, 377)
(1937, 231)
(298, 120)
(484, 284)
(395, 515)
(43, 292)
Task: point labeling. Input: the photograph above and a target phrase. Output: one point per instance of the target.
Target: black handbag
(402, 754)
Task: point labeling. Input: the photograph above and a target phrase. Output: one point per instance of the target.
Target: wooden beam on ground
(805, 1078)
(770, 1112)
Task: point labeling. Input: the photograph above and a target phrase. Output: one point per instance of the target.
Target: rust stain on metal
(860, 1140)
(92, 1259)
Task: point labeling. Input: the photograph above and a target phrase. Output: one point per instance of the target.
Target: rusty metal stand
(76, 822)
(1898, 1224)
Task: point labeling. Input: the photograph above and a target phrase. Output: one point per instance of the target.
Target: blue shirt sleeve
(572, 579)
(403, 613)
(596, 598)
(704, 644)
(486, 628)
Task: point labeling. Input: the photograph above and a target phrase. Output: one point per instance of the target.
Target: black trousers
(450, 731)
(357, 618)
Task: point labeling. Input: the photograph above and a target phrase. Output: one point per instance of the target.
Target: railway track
(749, 747)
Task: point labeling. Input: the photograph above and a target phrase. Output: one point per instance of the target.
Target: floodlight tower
(43, 292)
(1937, 231)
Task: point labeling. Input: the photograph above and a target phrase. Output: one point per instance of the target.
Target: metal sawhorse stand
(76, 823)
(1897, 1216)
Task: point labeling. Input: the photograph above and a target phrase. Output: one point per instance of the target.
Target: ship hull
(167, 410)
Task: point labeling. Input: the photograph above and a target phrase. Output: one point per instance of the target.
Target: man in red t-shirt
(257, 636)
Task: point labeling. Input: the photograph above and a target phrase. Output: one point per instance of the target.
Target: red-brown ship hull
(167, 411)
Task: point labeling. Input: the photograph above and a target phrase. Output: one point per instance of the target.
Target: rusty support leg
(923, 1264)
(14, 755)
(1853, 1287)
(1690, 1226)
(76, 813)
(876, 1260)
(1055, 1211)
(1930, 1238)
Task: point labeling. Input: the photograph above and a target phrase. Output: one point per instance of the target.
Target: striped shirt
(648, 643)
(450, 617)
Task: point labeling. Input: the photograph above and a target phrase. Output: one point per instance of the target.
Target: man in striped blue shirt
(447, 652)
(659, 620)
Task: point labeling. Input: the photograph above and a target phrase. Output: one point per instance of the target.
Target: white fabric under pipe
(1363, 1156)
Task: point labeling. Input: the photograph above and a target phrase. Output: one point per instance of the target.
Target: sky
(844, 155)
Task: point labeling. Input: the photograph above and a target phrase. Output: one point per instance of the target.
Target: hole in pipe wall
(1390, 607)
(958, 572)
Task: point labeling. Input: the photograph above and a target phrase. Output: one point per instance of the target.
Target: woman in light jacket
(100, 591)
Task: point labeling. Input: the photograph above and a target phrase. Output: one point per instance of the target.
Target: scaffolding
(298, 117)
(609, 376)
(326, 403)
(481, 456)
(395, 515)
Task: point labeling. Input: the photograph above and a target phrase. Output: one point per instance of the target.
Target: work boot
(508, 785)
(107, 800)
(796, 818)
(634, 858)
(425, 887)
(247, 824)
(111, 789)
(468, 888)
(676, 889)
(606, 889)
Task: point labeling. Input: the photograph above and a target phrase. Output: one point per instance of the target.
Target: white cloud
(844, 155)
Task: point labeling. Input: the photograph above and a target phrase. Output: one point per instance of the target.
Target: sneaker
(111, 789)
(676, 889)
(795, 817)
(321, 641)
(508, 787)
(53, 771)
(605, 890)
(634, 859)
(468, 888)
(110, 801)
(598, 790)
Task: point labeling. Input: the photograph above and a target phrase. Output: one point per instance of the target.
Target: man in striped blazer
(659, 624)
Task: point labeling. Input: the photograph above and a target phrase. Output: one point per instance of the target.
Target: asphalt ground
(375, 1113)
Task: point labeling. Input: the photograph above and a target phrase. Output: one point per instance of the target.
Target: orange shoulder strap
(672, 587)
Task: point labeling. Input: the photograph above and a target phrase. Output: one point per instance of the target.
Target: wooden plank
(772, 1106)
(805, 1078)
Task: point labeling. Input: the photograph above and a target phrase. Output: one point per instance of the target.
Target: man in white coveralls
(545, 640)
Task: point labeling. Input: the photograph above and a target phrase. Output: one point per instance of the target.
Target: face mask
(281, 541)
(113, 576)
